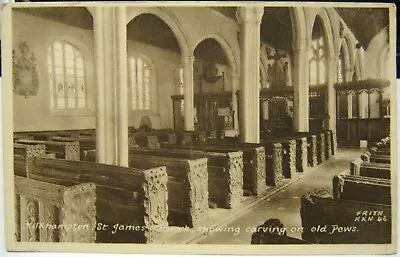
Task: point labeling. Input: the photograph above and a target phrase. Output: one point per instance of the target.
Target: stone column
(301, 50)
(112, 89)
(188, 92)
(249, 19)
(348, 74)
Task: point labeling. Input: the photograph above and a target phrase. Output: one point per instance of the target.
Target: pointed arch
(228, 51)
(328, 32)
(169, 19)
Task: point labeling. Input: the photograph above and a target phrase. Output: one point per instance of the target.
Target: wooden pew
(301, 155)
(225, 171)
(63, 150)
(377, 150)
(321, 149)
(36, 135)
(187, 182)
(273, 156)
(55, 212)
(163, 136)
(184, 137)
(362, 189)
(377, 158)
(23, 157)
(368, 169)
(85, 143)
(253, 168)
(288, 154)
(344, 221)
(311, 146)
(18, 136)
(124, 196)
(329, 141)
(187, 186)
(149, 141)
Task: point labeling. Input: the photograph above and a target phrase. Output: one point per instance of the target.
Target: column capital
(301, 45)
(188, 59)
(246, 14)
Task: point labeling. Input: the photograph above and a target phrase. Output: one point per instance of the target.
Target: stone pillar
(301, 50)
(249, 19)
(348, 74)
(112, 88)
(235, 107)
(188, 92)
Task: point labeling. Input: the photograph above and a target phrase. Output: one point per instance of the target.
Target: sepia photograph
(219, 128)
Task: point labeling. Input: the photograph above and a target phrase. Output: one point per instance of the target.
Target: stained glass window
(67, 81)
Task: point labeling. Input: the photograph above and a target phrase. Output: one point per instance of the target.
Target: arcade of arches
(162, 53)
(248, 72)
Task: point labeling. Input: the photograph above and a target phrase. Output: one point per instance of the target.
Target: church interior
(201, 124)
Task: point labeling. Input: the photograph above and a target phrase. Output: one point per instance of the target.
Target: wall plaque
(25, 76)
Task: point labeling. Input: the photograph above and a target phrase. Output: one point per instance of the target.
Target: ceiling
(276, 27)
(150, 29)
(74, 16)
(365, 22)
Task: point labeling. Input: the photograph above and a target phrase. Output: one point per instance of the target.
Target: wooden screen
(213, 111)
(276, 110)
(362, 112)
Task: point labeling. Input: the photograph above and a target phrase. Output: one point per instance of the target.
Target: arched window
(67, 77)
(340, 67)
(141, 77)
(318, 51)
(317, 62)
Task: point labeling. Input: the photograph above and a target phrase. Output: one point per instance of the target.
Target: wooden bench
(288, 154)
(311, 147)
(253, 168)
(187, 183)
(377, 150)
(362, 189)
(85, 143)
(23, 157)
(149, 141)
(187, 186)
(377, 158)
(163, 136)
(329, 141)
(321, 149)
(369, 169)
(273, 159)
(344, 221)
(225, 172)
(54, 212)
(125, 196)
(301, 155)
(63, 150)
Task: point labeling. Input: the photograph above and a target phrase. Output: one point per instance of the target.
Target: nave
(134, 123)
(285, 204)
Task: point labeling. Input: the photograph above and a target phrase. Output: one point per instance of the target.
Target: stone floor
(284, 205)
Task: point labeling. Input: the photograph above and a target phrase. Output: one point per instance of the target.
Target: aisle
(284, 205)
